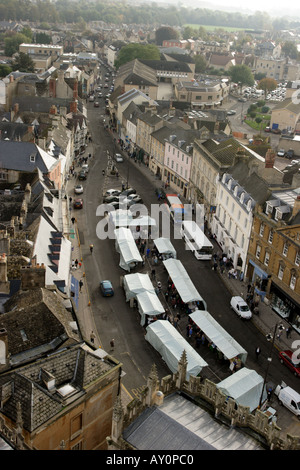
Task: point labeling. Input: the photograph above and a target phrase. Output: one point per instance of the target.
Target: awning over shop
(182, 281)
(126, 246)
(149, 304)
(165, 247)
(170, 344)
(245, 387)
(137, 283)
(216, 333)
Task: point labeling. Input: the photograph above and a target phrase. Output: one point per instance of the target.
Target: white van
(288, 398)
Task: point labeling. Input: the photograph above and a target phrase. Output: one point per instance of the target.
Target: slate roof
(288, 105)
(180, 425)
(167, 65)
(36, 323)
(137, 73)
(16, 156)
(42, 104)
(14, 131)
(77, 366)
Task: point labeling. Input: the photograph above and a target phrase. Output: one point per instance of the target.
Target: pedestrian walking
(76, 263)
(93, 337)
(148, 252)
(279, 335)
(80, 285)
(257, 352)
(73, 220)
(248, 288)
(288, 331)
(190, 331)
(112, 343)
(91, 248)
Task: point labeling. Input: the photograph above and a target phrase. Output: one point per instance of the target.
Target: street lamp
(272, 339)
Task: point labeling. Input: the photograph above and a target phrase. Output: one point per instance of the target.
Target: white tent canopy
(149, 304)
(216, 333)
(165, 247)
(137, 283)
(143, 221)
(126, 246)
(182, 281)
(245, 387)
(120, 218)
(170, 344)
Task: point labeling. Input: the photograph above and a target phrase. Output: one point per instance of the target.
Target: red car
(78, 204)
(287, 359)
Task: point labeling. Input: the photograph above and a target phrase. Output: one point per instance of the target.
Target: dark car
(106, 288)
(286, 358)
(267, 129)
(276, 131)
(109, 199)
(96, 104)
(128, 191)
(290, 154)
(82, 175)
(78, 204)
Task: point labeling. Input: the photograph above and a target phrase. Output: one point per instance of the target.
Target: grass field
(212, 28)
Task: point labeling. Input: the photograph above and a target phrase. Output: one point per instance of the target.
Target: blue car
(106, 288)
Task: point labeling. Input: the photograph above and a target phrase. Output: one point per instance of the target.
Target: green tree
(5, 70)
(23, 62)
(201, 63)
(164, 33)
(11, 44)
(267, 85)
(242, 75)
(289, 49)
(137, 51)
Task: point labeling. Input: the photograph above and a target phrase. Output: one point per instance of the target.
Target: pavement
(265, 321)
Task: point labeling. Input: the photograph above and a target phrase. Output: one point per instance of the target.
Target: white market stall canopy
(143, 221)
(149, 304)
(182, 282)
(245, 387)
(137, 283)
(216, 333)
(165, 247)
(126, 246)
(170, 344)
(120, 218)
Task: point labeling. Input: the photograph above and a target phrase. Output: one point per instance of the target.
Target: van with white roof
(288, 398)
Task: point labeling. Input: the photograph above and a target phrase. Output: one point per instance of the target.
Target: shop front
(258, 277)
(285, 306)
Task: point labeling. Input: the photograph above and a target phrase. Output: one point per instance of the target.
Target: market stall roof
(182, 281)
(126, 246)
(216, 333)
(120, 218)
(245, 387)
(164, 337)
(149, 304)
(143, 221)
(165, 247)
(137, 283)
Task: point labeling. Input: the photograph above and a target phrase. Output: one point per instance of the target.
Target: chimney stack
(269, 158)
(296, 207)
(33, 276)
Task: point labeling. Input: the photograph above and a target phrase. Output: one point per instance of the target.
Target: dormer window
(235, 192)
(242, 197)
(229, 184)
(32, 158)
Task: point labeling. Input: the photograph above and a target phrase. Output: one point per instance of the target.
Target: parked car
(128, 191)
(118, 158)
(286, 358)
(112, 192)
(78, 189)
(106, 288)
(231, 112)
(290, 154)
(276, 131)
(82, 175)
(85, 168)
(243, 100)
(109, 199)
(240, 307)
(96, 104)
(78, 204)
(134, 199)
(289, 398)
(91, 98)
(267, 129)
(281, 153)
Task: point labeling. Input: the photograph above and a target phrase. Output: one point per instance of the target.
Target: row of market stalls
(245, 385)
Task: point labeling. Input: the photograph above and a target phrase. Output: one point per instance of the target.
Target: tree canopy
(137, 51)
(267, 84)
(23, 62)
(165, 33)
(241, 74)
